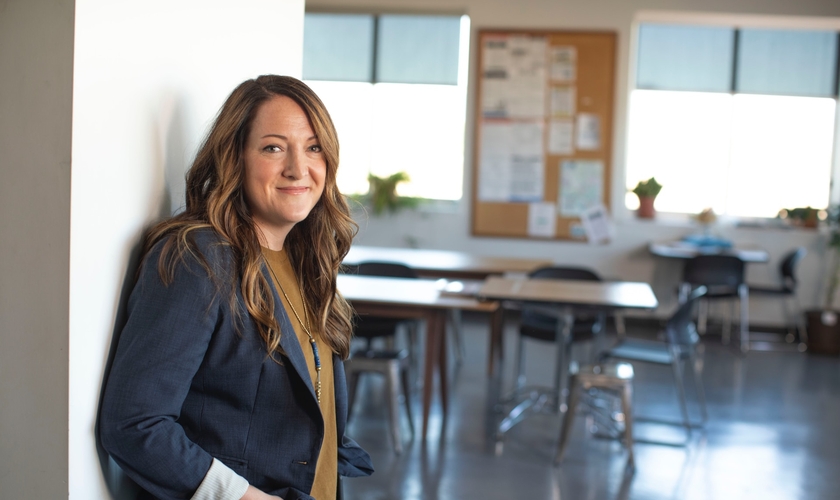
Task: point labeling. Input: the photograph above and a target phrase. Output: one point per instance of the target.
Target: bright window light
(742, 155)
(385, 128)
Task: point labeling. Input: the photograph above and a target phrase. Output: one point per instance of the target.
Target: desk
(421, 299)
(444, 263)
(561, 298)
(682, 250)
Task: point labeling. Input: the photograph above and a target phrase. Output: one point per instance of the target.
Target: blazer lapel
(289, 342)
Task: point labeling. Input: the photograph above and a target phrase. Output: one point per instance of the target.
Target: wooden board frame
(595, 94)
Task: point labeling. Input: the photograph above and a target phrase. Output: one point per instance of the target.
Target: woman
(228, 381)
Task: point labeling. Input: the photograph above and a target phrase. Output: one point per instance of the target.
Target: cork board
(543, 133)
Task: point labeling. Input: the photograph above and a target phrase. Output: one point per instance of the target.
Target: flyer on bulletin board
(581, 186)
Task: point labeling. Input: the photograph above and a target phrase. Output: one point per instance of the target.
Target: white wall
(626, 257)
(148, 78)
(36, 72)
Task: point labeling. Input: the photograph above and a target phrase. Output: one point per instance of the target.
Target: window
(741, 120)
(396, 88)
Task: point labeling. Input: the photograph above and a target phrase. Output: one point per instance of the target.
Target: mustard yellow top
(325, 484)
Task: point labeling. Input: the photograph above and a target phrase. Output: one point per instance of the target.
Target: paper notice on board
(563, 101)
(542, 220)
(588, 132)
(563, 63)
(596, 222)
(561, 137)
(511, 163)
(581, 186)
(514, 77)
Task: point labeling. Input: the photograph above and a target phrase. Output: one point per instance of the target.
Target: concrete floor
(773, 433)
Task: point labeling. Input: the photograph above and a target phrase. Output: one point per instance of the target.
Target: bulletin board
(543, 132)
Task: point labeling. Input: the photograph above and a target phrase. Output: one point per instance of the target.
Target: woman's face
(284, 169)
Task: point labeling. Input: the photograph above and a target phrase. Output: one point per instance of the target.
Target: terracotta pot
(646, 210)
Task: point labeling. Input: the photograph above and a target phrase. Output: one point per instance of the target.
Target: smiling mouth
(294, 189)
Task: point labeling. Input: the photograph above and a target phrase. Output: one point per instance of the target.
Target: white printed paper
(511, 162)
(542, 220)
(581, 186)
(596, 222)
(561, 137)
(563, 101)
(563, 61)
(588, 132)
(514, 77)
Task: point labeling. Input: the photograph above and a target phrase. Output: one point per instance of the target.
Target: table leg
(435, 340)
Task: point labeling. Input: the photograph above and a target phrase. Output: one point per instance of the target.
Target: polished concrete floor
(773, 433)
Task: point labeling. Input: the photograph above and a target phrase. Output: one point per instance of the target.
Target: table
(561, 298)
(682, 250)
(422, 299)
(444, 263)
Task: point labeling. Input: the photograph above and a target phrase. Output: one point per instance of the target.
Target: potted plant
(647, 191)
(824, 324)
(804, 216)
(382, 196)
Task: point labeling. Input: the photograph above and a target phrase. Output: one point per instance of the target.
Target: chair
(372, 327)
(678, 347)
(393, 365)
(538, 326)
(794, 319)
(616, 378)
(723, 277)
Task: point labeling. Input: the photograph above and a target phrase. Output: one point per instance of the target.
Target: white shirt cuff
(221, 483)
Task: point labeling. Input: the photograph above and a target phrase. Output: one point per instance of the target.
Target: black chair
(794, 319)
(394, 364)
(723, 277)
(679, 346)
(538, 326)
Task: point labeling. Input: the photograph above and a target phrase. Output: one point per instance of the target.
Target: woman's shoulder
(201, 246)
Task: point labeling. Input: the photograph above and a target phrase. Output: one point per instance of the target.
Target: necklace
(305, 329)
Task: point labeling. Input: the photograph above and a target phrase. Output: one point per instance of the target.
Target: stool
(394, 366)
(614, 377)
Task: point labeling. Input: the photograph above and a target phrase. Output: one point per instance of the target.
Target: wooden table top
(406, 292)
(444, 262)
(596, 294)
(683, 250)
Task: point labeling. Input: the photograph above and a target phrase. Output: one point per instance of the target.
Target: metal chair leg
(744, 299)
(520, 364)
(458, 331)
(627, 408)
(568, 420)
(678, 379)
(698, 385)
(393, 383)
(406, 384)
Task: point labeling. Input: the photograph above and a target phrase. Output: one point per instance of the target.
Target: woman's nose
(295, 167)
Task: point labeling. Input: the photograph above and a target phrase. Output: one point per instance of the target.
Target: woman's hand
(254, 494)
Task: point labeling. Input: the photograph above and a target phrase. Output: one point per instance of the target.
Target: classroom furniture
(422, 299)
(723, 277)
(537, 326)
(374, 327)
(616, 378)
(786, 291)
(560, 299)
(543, 131)
(677, 348)
(394, 366)
(443, 263)
(679, 249)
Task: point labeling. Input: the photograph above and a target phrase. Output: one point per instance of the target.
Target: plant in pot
(647, 191)
(824, 324)
(382, 196)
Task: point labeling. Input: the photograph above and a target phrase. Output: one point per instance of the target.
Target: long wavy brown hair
(215, 198)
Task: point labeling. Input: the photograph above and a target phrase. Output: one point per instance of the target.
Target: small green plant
(647, 189)
(833, 221)
(382, 195)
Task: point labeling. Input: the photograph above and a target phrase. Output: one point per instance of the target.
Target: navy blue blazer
(187, 385)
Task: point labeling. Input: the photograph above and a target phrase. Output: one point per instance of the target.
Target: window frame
(737, 22)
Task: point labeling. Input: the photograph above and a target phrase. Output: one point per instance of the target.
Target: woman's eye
(272, 149)
(316, 148)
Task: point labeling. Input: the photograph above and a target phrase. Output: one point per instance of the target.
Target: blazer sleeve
(159, 352)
